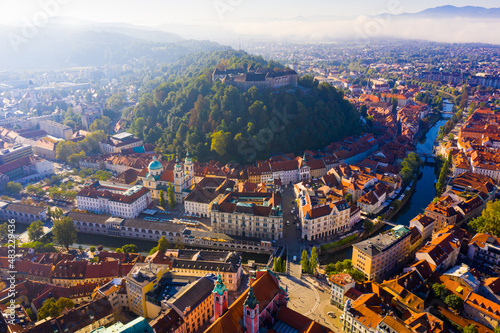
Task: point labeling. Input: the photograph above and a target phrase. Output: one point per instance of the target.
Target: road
(291, 235)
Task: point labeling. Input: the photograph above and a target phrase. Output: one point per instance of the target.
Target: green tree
(153, 250)
(92, 249)
(313, 262)
(53, 308)
(409, 166)
(115, 103)
(304, 262)
(13, 187)
(49, 212)
(454, 302)
(437, 289)
(130, 248)
(162, 199)
(443, 175)
(348, 197)
(471, 329)
(171, 196)
(356, 274)
(64, 232)
(35, 230)
(163, 244)
(118, 250)
(497, 329)
(101, 124)
(489, 221)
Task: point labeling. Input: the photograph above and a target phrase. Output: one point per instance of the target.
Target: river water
(424, 192)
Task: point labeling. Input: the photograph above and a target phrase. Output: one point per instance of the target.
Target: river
(424, 192)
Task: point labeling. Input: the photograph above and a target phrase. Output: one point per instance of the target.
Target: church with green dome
(159, 174)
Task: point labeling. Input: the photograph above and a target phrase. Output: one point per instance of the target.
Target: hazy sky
(157, 12)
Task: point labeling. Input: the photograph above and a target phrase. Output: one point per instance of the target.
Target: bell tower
(220, 296)
(251, 313)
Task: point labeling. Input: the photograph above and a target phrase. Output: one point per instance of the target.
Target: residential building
(115, 199)
(482, 310)
(341, 283)
(139, 281)
(484, 247)
(194, 304)
(441, 252)
(15, 152)
(424, 224)
(378, 256)
(83, 319)
(442, 213)
(203, 262)
(363, 315)
(56, 129)
(168, 321)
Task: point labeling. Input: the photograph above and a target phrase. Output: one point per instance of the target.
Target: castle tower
(251, 313)
(220, 296)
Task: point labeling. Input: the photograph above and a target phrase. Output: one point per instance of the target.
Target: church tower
(178, 181)
(189, 170)
(220, 296)
(251, 313)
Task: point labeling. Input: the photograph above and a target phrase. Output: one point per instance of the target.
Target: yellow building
(194, 304)
(378, 256)
(140, 280)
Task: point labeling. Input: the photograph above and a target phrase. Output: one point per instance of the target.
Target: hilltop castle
(261, 78)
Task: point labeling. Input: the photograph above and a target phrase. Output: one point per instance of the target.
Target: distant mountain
(452, 11)
(60, 45)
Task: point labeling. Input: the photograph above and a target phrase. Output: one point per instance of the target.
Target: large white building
(256, 215)
(119, 142)
(115, 199)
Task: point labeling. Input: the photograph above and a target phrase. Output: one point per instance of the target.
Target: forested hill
(217, 121)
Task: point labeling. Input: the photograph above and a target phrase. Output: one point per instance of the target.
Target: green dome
(155, 165)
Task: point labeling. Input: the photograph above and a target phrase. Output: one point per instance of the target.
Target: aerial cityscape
(228, 166)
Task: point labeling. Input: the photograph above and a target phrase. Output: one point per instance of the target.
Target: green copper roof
(251, 301)
(155, 165)
(220, 288)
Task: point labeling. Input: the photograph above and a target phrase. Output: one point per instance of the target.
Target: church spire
(251, 300)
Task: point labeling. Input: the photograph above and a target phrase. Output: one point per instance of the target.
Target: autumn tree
(220, 142)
